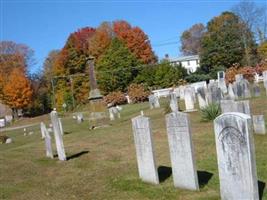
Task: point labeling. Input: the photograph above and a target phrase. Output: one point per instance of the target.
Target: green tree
(167, 75)
(222, 44)
(115, 69)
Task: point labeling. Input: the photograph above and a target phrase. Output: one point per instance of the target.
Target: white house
(190, 63)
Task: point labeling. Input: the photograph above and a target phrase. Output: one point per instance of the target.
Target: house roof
(184, 58)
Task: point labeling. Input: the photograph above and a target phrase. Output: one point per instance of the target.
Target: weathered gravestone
(264, 74)
(153, 101)
(214, 93)
(43, 128)
(60, 126)
(114, 112)
(58, 136)
(144, 149)
(221, 81)
(189, 99)
(181, 151)
(48, 144)
(79, 118)
(231, 93)
(173, 102)
(235, 106)
(242, 89)
(239, 77)
(256, 90)
(202, 97)
(259, 124)
(236, 157)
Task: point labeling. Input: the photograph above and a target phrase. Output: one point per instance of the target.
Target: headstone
(256, 90)
(173, 102)
(181, 91)
(2, 123)
(189, 99)
(235, 106)
(259, 124)
(238, 77)
(60, 126)
(242, 88)
(58, 136)
(264, 74)
(231, 93)
(221, 81)
(114, 112)
(145, 149)
(153, 101)
(48, 144)
(202, 97)
(8, 141)
(8, 119)
(236, 157)
(214, 93)
(43, 129)
(79, 118)
(181, 151)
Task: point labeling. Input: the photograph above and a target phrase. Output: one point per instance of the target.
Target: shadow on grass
(66, 132)
(77, 155)
(203, 178)
(261, 186)
(164, 173)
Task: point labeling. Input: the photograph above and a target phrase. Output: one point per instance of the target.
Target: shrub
(116, 98)
(137, 93)
(3, 139)
(248, 73)
(210, 112)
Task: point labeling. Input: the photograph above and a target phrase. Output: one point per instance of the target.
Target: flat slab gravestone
(235, 106)
(181, 151)
(259, 124)
(58, 136)
(236, 157)
(60, 126)
(202, 97)
(189, 99)
(145, 150)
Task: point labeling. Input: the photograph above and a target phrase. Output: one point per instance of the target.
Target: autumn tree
(262, 49)
(222, 45)
(115, 68)
(191, 39)
(17, 90)
(100, 41)
(136, 40)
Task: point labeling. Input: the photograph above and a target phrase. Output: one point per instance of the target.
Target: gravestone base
(191, 110)
(98, 115)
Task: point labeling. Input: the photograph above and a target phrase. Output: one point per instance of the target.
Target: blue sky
(45, 25)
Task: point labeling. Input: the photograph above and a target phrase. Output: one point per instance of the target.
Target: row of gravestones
(235, 153)
(213, 93)
(244, 107)
(57, 130)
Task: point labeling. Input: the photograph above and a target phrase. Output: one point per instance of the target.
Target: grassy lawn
(102, 162)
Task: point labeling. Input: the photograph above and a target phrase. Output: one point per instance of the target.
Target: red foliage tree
(136, 40)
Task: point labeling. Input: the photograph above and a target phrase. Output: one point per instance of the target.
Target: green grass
(107, 168)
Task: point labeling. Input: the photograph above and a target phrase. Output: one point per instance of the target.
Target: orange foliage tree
(136, 40)
(248, 73)
(17, 91)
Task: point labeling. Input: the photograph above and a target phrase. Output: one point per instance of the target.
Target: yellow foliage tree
(17, 91)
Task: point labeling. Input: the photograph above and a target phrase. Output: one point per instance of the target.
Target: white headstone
(145, 149)
(264, 74)
(221, 81)
(181, 151)
(173, 102)
(48, 144)
(189, 98)
(259, 124)
(236, 157)
(79, 118)
(58, 136)
(60, 126)
(202, 97)
(2, 123)
(231, 93)
(43, 129)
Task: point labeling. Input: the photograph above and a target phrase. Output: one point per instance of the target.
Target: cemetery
(115, 100)
(145, 153)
